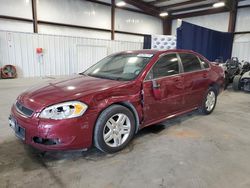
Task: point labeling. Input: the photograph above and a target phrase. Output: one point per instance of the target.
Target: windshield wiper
(99, 76)
(120, 79)
(107, 77)
(82, 73)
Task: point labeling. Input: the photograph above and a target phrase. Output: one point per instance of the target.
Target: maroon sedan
(106, 105)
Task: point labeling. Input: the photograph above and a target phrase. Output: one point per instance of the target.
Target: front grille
(23, 110)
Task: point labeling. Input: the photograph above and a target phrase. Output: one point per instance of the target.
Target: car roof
(150, 51)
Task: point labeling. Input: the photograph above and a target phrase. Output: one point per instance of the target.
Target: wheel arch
(129, 106)
(133, 110)
(215, 86)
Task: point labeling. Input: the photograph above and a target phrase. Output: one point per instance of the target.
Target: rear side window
(165, 66)
(190, 62)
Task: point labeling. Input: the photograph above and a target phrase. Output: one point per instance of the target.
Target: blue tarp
(210, 43)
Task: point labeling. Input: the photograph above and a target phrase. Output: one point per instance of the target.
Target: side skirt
(168, 117)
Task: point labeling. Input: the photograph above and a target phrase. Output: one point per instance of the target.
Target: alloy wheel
(210, 101)
(116, 130)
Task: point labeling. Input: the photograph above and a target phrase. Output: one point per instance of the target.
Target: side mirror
(156, 89)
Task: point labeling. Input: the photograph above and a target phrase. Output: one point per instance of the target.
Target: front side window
(120, 66)
(190, 62)
(204, 63)
(166, 66)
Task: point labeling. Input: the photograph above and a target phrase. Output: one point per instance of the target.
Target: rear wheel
(114, 129)
(209, 101)
(236, 83)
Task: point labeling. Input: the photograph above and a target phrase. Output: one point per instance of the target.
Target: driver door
(163, 89)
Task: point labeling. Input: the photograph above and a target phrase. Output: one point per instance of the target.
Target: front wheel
(114, 129)
(209, 101)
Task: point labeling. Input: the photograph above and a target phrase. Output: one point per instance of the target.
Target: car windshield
(119, 66)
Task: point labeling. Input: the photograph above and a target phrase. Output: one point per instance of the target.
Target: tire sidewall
(204, 109)
(101, 122)
(236, 82)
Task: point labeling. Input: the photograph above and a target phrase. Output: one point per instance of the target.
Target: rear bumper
(45, 135)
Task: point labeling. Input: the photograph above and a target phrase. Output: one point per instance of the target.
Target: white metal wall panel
(241, 47)
(89, 55)
(217, 22)
(126, 37)
(137, 22)
(12, 25)
(16, 8)
(76, 12)
(243, 20)
(240, 3)
(60, 55)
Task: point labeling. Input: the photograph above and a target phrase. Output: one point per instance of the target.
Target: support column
(112, 19)
(167, 26)
(34, 15)
(232, 18)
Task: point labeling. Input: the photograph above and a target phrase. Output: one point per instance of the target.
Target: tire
(226, 81)
(117, 133)
(236, 83)
(209, 101)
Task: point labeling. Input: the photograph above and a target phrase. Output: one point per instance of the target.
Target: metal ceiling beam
(200, 13)
(181, 4)
(123, 8)
(16, 18)
(144, 6)
(158, 1)
(192, 8)
(244, 6)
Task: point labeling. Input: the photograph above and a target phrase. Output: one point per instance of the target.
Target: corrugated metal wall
(62, 55)
(241, 47)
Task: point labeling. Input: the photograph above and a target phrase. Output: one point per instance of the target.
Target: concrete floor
(190, 151)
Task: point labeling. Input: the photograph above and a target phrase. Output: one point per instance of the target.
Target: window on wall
(165, 66)
(190, 62)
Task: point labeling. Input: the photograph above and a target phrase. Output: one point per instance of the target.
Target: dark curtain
(210, 43)
(147, 42)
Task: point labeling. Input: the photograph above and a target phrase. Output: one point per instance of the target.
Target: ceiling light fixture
(163, 14)
(120, 4)
(219, 4)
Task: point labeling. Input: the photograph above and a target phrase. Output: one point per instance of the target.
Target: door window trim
(183, 72)
(160, 56)
(203, 60)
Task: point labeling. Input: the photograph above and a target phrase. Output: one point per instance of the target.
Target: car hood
(73, 88)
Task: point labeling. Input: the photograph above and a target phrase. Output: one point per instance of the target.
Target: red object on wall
(39, 50)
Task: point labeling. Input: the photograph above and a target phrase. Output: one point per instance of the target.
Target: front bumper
(47, 134)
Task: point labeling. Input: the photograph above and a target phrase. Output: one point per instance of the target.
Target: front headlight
(64, 110)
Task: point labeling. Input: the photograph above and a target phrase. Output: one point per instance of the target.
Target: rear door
(196, 79)
(163, 89)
